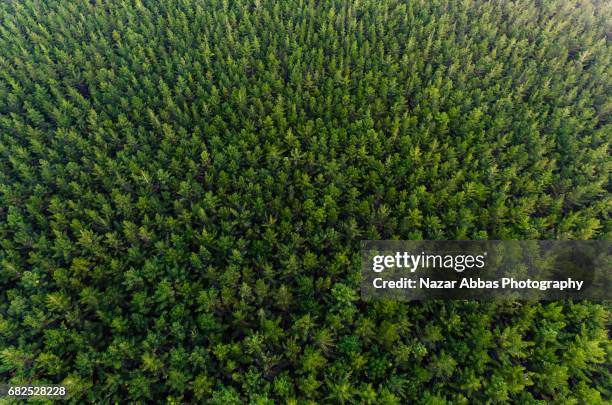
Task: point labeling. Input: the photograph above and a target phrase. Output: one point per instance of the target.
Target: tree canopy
(184, 185)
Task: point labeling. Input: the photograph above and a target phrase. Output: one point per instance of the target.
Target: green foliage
(184, 185)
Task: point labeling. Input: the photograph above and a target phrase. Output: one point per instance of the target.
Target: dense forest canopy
(184, 186)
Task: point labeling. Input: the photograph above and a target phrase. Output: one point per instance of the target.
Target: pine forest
(184, 186)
